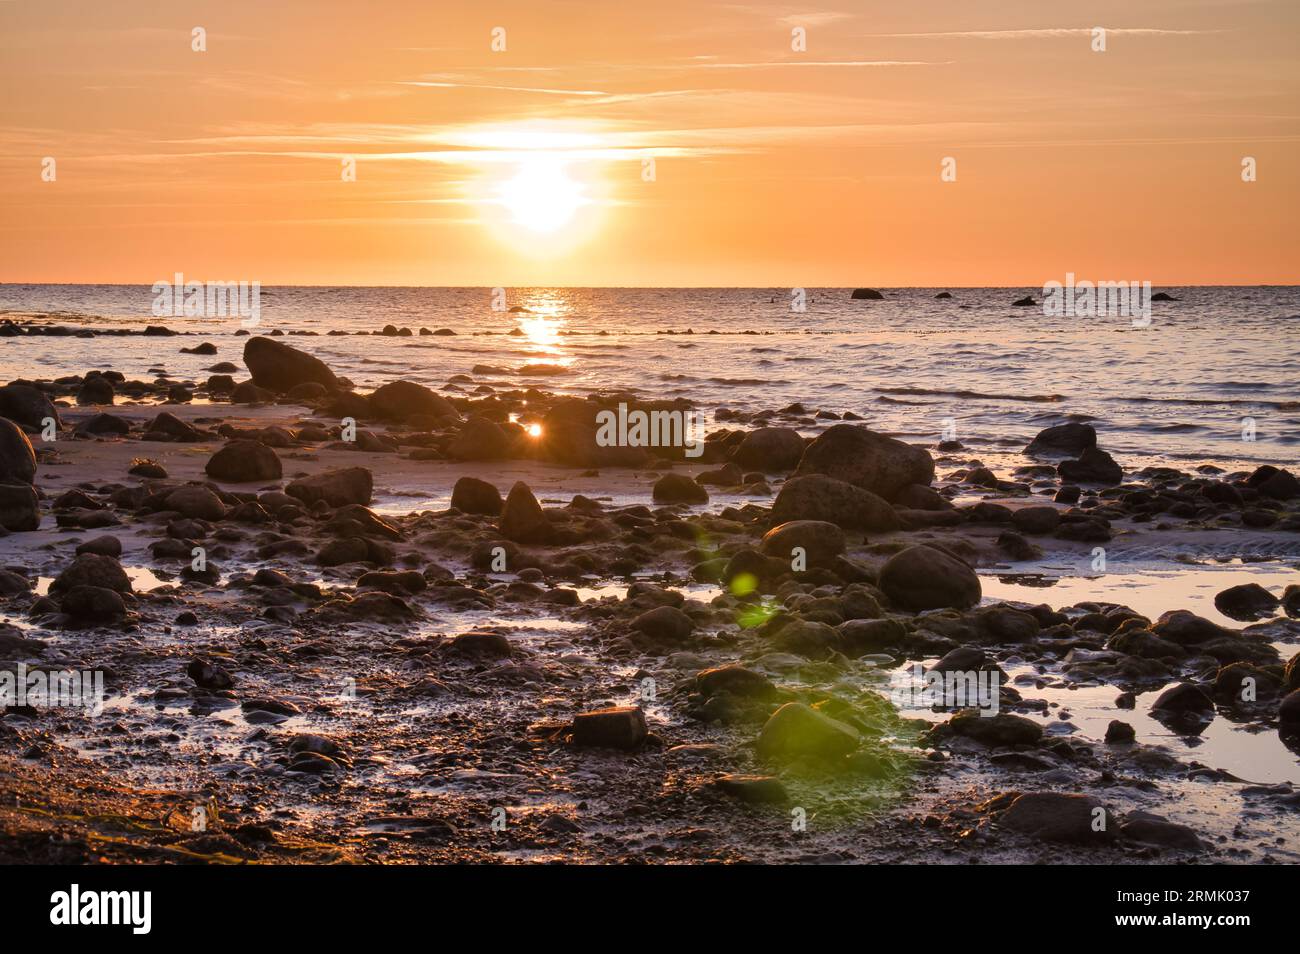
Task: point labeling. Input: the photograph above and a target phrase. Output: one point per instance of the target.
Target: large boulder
(350, 485)
(19, 507)
(798, 731)
(922, 578)
(820, 541)
(93, 603)
(244, 461)
(480, 439)
(817, 497)
(1093, 467)
(1064, 439)
(471, 495)
(866, 459)
(678, 488)
(95, 389)
(17, 458)
(399, 400)
(1060, 816)
(195, 500)
(770, 449)
(92, 569)
(569, 432)
(278, 367)
(26, 406)
(522, 518)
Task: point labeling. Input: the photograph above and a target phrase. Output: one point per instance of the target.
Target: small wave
(975, 395)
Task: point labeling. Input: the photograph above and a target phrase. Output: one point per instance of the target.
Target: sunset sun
(541, 196)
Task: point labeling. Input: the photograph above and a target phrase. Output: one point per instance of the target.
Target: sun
(541, 196)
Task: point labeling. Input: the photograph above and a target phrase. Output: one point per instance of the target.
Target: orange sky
(772, 167)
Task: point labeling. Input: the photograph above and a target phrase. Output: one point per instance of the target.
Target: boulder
(480, 439)
(1153, 830)
(1093, 467)
(169, 427)
(471, 495)
(244, 461)
(19, 507)
(569, 432)
(93, 602)
(1063, 439)
(664, 623)
(27, 406)
(922, 578)
(866, 294)
(1036, 520)
(194, 500)
(280, 368)
(338, 488)
(1246, 602)
(95, 389)
(797, 731)
(1288, 712)
(770, 449)
(17, 457)
(821, 541)
(678, 488)
(618, 727)
(1002, 728)
(95, 570)
(399, 400)
(1184, 697)
(1060, 816)
(817, 497)
(866, 459)
(522, 517)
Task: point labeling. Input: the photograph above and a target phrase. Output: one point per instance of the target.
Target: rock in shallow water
(1058, 816)
(618, 727)
(818, 497)
(678, 488)
(278, 367)
(922, 578)
(244, 461)
(338, 488)
(866, 459)
(797, 731)
(471, 495)
(17, 457)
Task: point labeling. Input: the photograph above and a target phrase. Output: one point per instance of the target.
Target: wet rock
(279, 368)
(921, 497)
(1274, 483)
(168, 427)
(1119, 733)
(244, 461)
(369, 607)
(19, 508)
(1187, 629)
(866, 294)
(1184, 698)
(1058, 816)
(397, 582)
(1141, 642)
(149, 469)
(93, 603)
(755, 789)
(678, 488)
(922, 577)
(27, 407)
(92, 569)
(866, 459)
(1291, 674)
(1288, 712)
(1070, 438)
(861, 636)
(349, 485)
(246, 392)
(818, 497)
(341, 552)
(736, 680)
(798, 731)
(569, 436)
(471, 495)
(522, 517)
(95, 389)
(1246, 602)
(207, 675)
(1153, 830)
(618, 727)
(1093, 467)
(481, 643)
(104, 546)
(1036, 520)
(665, 624)
(17, 457)
(770, 449)
(104, 424)
(820, 541)
(809, 638)
(480, 439)
(1002, 728)
(13, 584)
(197, 501)
(399, 400)
(1241, 682)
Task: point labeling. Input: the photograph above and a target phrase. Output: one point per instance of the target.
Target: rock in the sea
(338, 488)
(1060, 816)
(244, 461)
(399, 400)
(1186, 628)
(92, 569)
(95, 389)
(279, 368)
(1002, 728)
(922, 578)
(820, 541)
(522, 517)
(27, 406)
(618, 727)
(678, 488)
(1246, 602)
(866, 294)
(1093, 467)
(818, 497)
(1119, 733)
(1063, 439)
(93, 602)
(770, 449)
(194, 500)
(471, 495)
(19, 507)
(866, 459)
(1185, 697)
(797, 731)
(17, 457)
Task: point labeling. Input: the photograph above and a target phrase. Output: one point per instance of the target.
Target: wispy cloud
(1039, 33)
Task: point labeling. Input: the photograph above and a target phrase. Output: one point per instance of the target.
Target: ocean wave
(975, 395)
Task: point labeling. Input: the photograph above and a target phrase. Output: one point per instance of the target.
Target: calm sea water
(1175, 392)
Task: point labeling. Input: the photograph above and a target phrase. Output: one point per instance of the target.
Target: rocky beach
(402, 621)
